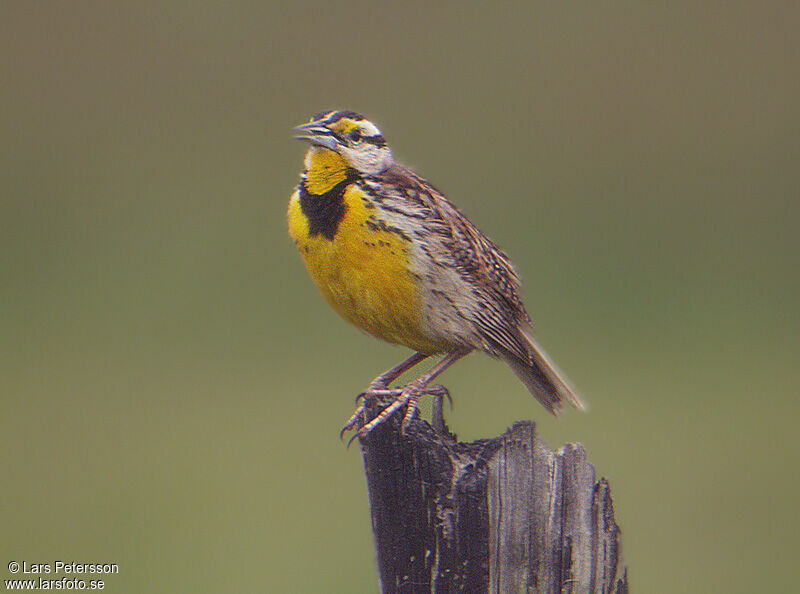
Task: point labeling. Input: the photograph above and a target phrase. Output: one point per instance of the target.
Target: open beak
(316, 134)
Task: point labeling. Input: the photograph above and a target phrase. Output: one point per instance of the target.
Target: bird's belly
(366, 274)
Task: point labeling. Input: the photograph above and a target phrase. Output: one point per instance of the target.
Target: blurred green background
(173, 386)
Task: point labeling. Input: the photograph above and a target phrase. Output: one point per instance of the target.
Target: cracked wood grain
(495, 515)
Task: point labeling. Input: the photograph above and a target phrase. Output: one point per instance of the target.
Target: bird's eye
(355, 135)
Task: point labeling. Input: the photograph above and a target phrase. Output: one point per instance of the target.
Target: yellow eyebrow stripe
(344, 126)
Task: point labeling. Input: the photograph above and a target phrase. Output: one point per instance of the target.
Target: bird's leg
(383, 380)
(379, 387)
(409, 394)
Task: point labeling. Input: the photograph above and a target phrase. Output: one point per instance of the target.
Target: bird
(394, 257)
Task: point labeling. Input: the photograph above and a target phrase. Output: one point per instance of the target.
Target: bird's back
(469, 288)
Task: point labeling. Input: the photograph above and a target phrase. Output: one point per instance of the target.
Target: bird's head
(356, 140)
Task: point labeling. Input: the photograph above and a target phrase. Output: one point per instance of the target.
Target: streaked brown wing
(488, 268)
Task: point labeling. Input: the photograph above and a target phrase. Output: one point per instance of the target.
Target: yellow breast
(362, 270)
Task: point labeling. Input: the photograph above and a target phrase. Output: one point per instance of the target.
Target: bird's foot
(394, 399)
(376, 392)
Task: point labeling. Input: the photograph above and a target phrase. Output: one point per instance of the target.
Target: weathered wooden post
(495, 515)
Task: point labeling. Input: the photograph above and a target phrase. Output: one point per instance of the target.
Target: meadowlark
(398, 260)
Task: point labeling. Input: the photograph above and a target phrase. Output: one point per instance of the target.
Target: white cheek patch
(371, 160)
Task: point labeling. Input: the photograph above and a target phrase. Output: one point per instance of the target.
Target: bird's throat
(325, 169)
(322, 189)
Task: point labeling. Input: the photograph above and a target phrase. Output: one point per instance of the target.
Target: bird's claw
(407, 396)
(439, 391)
(367, 397)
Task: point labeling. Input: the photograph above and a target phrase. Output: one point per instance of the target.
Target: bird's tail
(542, 378)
